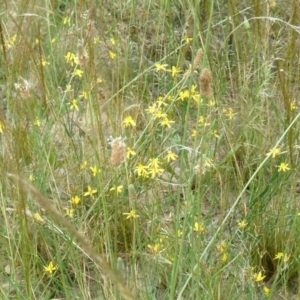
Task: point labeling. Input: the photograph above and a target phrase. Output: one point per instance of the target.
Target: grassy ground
(149, 149)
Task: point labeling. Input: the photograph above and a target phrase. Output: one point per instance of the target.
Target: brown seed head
(23, 88)
(205, 82)
(118, 152)
(197, 59)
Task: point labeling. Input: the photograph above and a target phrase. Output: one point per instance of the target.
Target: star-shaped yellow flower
(175, 71)
(199, 227)
(259, 277)
(171, 156)
(128, 121)
(90, 192)
(274, 152)
(283, 167)
(131, 215)
(279, 255)
(50, 268)
(160, 67)
(75, 200)
(94, 170)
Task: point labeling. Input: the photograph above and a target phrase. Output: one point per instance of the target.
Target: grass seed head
(205, 82)
(197, 59)
(23, 88)
(118, 152)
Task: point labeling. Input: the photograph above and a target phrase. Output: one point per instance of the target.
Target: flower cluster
(152, 169)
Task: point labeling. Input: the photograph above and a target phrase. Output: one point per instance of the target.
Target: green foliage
(135, 165)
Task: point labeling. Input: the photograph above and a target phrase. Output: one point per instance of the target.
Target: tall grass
(149, 149)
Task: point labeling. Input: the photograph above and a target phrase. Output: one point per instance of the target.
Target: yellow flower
(84, 165)
(71, 59)
(160, 102)
(94, 170)
(96, 40)
(75, 200)
(266, 291)
(221, 247)
(38, 218)
(130, 153)
(78, 73)
(152, 109)
(175, 71)
(259, 277)
(202, 122)
(112, 55)
(90, 192)
(14, 38)
(229, 112)
(118, 188)
(197, 98)
(274, 152)
(84, 95)
(215, 133)
(44, 62)
(159, 114)
(66, 20)
(131, 215)
(69, 212)
(166, 122)
(11, 42)
(283, 167)
(154, 248)
(211, 103)
(208, 163)
(37, 122)
(199, 227)
(279, 255)
(224, 256)
(68, 88)
(154, 168)
(194, 133)
(242, 224)
(128, 121)
(50, 268)
(188, 39)
(31, 178)
(141, 170)
(160, 67)
(184, 95)
(171, 156)
(193, 90)
(293, 105)
(73, 104)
